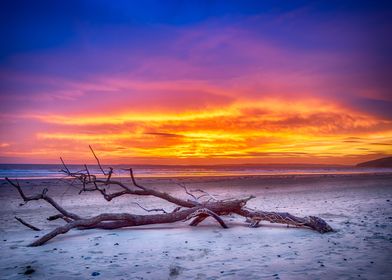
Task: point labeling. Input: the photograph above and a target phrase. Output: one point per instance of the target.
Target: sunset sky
(195, 82)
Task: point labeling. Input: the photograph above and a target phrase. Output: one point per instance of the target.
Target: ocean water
(29, 171)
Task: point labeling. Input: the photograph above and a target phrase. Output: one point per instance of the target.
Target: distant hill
(381, 162)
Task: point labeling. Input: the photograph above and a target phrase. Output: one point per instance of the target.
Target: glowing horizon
(227, 85)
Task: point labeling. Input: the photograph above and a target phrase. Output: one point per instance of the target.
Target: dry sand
(357, 206)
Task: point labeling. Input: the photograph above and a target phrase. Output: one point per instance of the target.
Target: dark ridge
(381, 162)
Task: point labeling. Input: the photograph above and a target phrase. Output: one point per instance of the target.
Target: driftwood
(197, 207)
(23, 222)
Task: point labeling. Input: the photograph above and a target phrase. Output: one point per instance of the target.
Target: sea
(42, 171)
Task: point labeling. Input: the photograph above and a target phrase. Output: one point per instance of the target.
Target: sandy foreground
(359, 207)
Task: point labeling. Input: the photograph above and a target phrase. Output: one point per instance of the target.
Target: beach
(357, 206)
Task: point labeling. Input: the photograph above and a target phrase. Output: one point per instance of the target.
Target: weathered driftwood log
(197, 208)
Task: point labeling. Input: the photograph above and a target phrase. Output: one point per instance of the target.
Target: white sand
(358, 207)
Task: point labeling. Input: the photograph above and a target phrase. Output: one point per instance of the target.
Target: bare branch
(204, 194)
(88, 173)
(150, 210)
(26, 224)
(17, 186)
(109, 175)
(66, 168)
(97, 159)
(186, 191)
(59, 216)
(44, 197)
(134, 180)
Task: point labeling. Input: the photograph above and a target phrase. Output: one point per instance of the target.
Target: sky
(195, 82)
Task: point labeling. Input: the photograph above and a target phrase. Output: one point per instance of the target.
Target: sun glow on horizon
(269, 128)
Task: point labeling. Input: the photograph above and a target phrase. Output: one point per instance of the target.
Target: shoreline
(226, 175)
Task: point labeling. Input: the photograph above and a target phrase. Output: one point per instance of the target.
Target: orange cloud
(240, 132)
